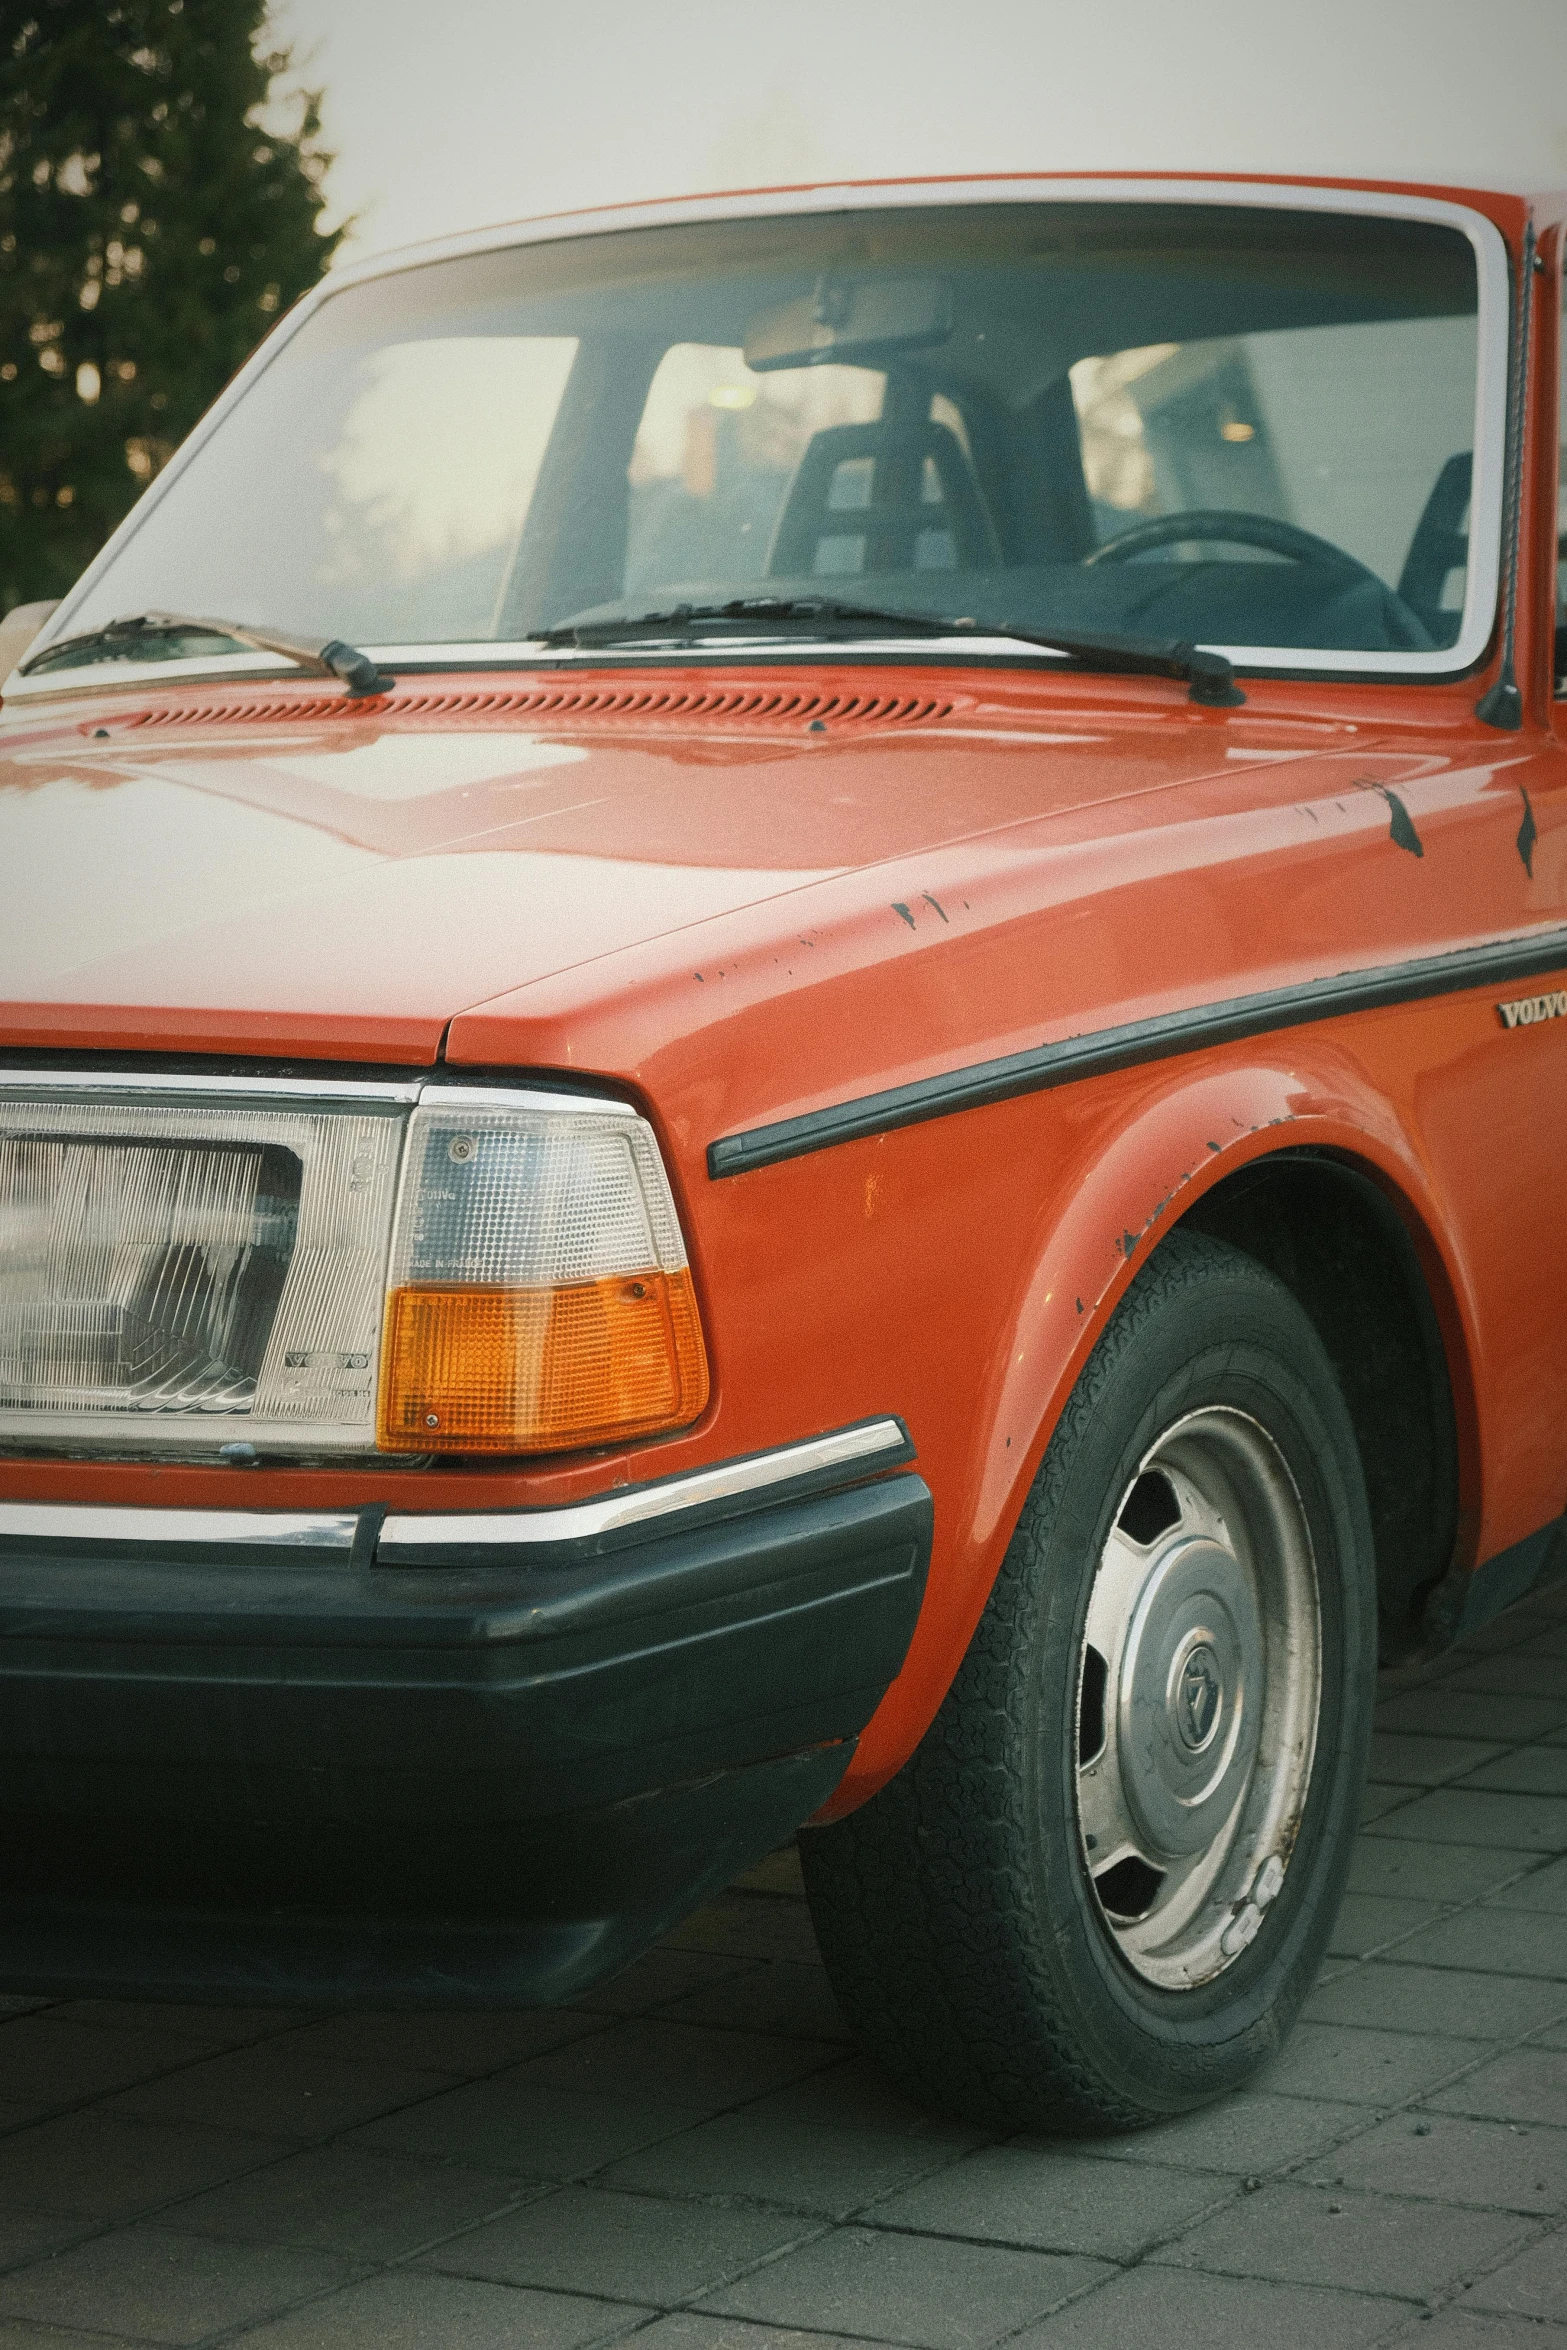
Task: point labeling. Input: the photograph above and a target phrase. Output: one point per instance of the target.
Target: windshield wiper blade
(1209, 676)
(117, 640)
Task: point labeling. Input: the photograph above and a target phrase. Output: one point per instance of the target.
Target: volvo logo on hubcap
(1197, 1697)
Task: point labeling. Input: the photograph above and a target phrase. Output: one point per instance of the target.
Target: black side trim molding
(1105, 1050)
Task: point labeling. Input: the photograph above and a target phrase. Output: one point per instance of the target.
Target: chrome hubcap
(1199, 1682)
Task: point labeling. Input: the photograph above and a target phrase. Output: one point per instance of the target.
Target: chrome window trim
(860, 1446)
(1493, 271)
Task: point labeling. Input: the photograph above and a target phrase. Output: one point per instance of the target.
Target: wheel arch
(1328, 1230)
(1236, 1151)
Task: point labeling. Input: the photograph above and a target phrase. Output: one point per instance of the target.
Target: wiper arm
(117, 640)
(687, 620)
(1209, 676)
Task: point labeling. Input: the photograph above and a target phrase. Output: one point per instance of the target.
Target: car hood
(303, 879)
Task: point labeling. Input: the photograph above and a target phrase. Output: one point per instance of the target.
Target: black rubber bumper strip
(1104, 1050)
(500, 1777)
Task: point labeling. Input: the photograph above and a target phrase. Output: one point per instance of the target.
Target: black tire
(956, 1914)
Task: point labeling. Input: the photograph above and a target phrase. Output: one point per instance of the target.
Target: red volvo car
(782, 1047)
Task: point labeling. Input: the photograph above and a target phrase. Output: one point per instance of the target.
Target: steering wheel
(1267, 531)
(1238, 527)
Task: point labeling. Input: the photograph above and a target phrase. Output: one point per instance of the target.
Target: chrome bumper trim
(140, 1085)
(53, 1521)
(865, 1445)
(869, 1445)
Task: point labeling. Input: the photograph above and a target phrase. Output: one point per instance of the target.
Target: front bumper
(257, 1759)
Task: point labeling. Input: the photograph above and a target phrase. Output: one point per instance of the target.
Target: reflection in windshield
(1237, 425)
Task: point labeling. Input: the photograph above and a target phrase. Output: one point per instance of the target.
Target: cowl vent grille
(767, 706)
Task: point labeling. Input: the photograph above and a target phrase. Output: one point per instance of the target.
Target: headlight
(539, 1294)
(185, 1264)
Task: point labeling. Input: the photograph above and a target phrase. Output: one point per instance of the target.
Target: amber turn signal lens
(540, 1370)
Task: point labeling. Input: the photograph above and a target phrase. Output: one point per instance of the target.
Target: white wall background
(449, 113)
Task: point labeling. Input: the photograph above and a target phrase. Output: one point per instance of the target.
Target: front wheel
(1100, 1889)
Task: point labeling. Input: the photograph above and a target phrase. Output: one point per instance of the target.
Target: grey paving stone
(625, 2247)
(1158, 2308)
(936, 2294)
(689, 2065)
(1332, 2236)
(508, 2125)
(1463, 2329)
(278, 2089)
(1515, 1672)
(457, 2046)
(1376, 1800)
(142, 2281)
(1458, 2160)
(806, 2159)
(1460, 1713)
(780, 1872)
(1495, 1941)
(689, 2329)
(783, 1996)
(108, 2169)
(408, 2311)
(1526, 2084)
(1255, 2131)
(1363, 2066)
(1453, 2001)
(1400, 1759)
(1512, 1630)
(26, 2234)
(1533, 2285)
(1369, 1921)
(1467, 1815)
(1052, 2201)
(45, 2064)
(750, 1928)
(653, 1980)
(341, 2199)
(1542, 1889)
(17, 2334)
(1528, 1770)
(203, 2027)
(1431, 1872)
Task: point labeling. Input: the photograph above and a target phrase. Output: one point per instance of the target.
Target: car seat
(919, 491)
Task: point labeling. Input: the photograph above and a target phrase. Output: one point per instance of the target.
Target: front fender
(1141, 1152)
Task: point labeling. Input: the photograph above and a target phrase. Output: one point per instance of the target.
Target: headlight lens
(177, 1275)
(539, 1296)
(485, 1272)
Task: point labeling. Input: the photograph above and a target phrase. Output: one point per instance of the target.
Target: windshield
(1242, 425)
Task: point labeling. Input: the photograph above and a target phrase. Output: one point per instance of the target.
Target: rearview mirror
(851, 323)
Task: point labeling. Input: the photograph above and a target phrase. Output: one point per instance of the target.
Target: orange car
(783, 1043)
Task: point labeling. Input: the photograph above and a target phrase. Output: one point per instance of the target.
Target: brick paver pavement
(695, 2158)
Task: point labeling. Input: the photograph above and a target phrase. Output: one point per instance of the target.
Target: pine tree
(153, 223)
